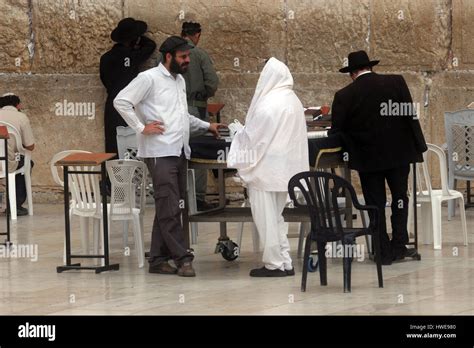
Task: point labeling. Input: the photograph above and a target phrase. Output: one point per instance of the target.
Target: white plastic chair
(127, 149)
(127, 203)
(83, 221)
(24, 170)
(85, 199)
(459, 129)
(430, 199)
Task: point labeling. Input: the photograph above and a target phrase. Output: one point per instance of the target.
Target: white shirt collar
(165, 71)
(363, 73)
(10, 107)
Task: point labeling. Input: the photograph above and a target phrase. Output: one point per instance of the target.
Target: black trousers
(373, 187)
(112, 120)
(20, 184)
(168, 240)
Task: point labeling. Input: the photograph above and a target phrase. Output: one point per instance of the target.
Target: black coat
(121, 64)
(118, 67)
(375, 136)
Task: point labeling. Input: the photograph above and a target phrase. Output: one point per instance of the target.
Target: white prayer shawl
(273, 145)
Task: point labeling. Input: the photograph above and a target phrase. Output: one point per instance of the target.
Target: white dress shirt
(156, 95)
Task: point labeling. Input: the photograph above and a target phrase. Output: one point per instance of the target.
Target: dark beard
(175, 68)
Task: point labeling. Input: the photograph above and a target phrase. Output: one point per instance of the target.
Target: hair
(190, 28)
(358, 70)
(163, 55)
(9, 100)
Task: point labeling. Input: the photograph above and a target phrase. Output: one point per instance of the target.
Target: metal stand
(77, 266)
(7, 197)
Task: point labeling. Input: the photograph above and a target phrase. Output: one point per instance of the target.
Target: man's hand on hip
(153, 128)
(214, 129)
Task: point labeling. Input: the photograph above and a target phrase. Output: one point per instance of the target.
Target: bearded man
(154, 105)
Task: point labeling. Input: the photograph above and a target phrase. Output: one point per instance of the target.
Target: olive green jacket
(201, 78)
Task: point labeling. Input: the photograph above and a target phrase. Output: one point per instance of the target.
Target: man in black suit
(119, 66)
(376, 121)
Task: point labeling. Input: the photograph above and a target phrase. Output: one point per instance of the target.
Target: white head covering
(7, 94)
(273, 145)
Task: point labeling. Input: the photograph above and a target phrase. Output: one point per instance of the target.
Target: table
(86, 159)
(5, 136)
(223, 214)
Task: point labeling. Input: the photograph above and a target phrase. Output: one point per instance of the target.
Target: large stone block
(57, 128)
(319, 88)
(450, 91)
(463, 32)
(238, 34)
(14, 36)
(236, 92)
(410, 35)
(71, 35)
(322, 32)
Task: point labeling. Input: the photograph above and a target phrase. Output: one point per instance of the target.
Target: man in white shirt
(154, 104)
(10, 112)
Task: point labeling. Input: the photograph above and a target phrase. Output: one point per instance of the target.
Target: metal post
(104, 212)
(7, 195)
(66, 215)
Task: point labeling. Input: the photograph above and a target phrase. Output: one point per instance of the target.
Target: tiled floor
(441, 283)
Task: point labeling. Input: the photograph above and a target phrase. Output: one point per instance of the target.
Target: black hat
(174, 43)
(190, 28)
(128, 29)
(358, 60)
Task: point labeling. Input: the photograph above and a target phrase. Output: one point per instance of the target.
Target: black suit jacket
(373, 140)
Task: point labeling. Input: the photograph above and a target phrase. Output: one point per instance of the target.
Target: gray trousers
(168, 240)
(200, 175)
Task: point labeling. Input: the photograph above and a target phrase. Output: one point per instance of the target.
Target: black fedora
(128, 29)
(358, 60)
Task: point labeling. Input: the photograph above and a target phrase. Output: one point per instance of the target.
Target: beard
(176, 68)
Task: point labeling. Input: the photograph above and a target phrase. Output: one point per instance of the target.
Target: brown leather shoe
(186, 270)
(162, 268)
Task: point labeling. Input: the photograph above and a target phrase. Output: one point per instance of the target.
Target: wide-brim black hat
(358, 60)
(128, 29)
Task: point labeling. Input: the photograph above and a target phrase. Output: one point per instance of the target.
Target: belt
(197, 103)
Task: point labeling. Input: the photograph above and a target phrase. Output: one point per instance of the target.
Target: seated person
(267, 152)
(10, 106)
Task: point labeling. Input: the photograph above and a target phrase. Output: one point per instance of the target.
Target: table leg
(415, 217)
(348, 214)
(104, 212)
(66, 215)
(7, 195)
(221, 184)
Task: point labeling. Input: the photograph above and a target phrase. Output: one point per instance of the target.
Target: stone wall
(50, 51)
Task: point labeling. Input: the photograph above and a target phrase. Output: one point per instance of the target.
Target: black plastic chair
(320, 191)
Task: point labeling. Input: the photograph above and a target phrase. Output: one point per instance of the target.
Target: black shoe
(203, 205)
(399, 252)
(162, 268)
(290, 272)
(387, 260)
(265, 272)
(20, 211)
(399, 256)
